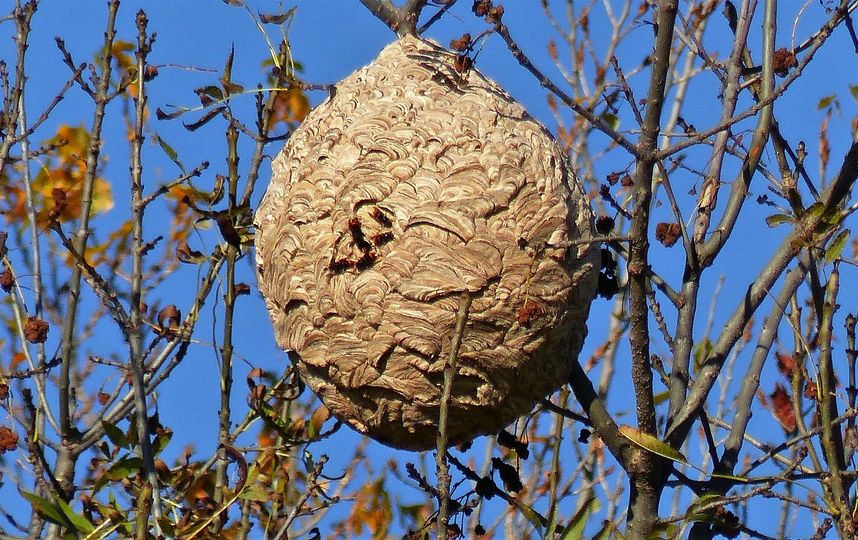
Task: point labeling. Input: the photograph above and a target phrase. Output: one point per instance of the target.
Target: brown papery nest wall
(418, 180)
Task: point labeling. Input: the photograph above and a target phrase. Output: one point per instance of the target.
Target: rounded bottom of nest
(481, 403)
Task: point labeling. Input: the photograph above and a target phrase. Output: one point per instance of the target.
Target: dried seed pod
(468, 193)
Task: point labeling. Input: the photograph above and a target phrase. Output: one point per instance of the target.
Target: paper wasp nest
(412, 183)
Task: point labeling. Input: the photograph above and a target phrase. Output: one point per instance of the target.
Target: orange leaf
(290, 106)
(786, 364)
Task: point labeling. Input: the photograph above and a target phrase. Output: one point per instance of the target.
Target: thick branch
(598, 416)
(832, 437)
(402, 20)
(751, 380)
(646, 478)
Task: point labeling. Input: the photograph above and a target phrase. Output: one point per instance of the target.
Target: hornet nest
(414, 182)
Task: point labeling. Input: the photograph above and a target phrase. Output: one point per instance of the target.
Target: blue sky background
(332, 38)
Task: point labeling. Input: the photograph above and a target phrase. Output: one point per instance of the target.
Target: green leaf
(661, 397)
(575, 528)
(664, 529)
(167, 527)
(695, 512)
(189, 256)
(309, 462)
(232, 88)
(226, 79)
(79, 522)
(605, 533)
(227, 68)
(174, 157)
(125, 467)
(161, 441)
(652, 444)
(701, 352)
(217, 192)
(48, 509)
(530, 514)
(853, 89)
(815, 210)
(254, 493)
(612, 120)
(826, 102)
(777, 219)
(212, 92)
(115, 434)
(297, 66)
(737, 479)
(132, 435)
(832, 253)
(834, 216)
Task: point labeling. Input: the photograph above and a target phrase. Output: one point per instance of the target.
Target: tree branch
(443, 470)
(401, 20)
(148, 500)
(593, 119)
(646, 478)
(680, 424)
(65, 464)
(751, 380)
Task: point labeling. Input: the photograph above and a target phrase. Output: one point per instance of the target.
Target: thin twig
(66, 460)
(149, 499)
(436, 16)
(443, 470)
(817, 41)
(589, 116)
(165, 188)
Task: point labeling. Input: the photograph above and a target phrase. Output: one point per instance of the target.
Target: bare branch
(402, 20)
(756, 293)
(594, 120)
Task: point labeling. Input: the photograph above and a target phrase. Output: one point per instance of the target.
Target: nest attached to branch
(414, 182)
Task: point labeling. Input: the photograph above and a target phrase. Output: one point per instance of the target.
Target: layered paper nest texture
(413, 183)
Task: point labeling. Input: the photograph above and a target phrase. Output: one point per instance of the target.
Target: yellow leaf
(652, 444)
(372, 509)
(63, 172)
(120, 52)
